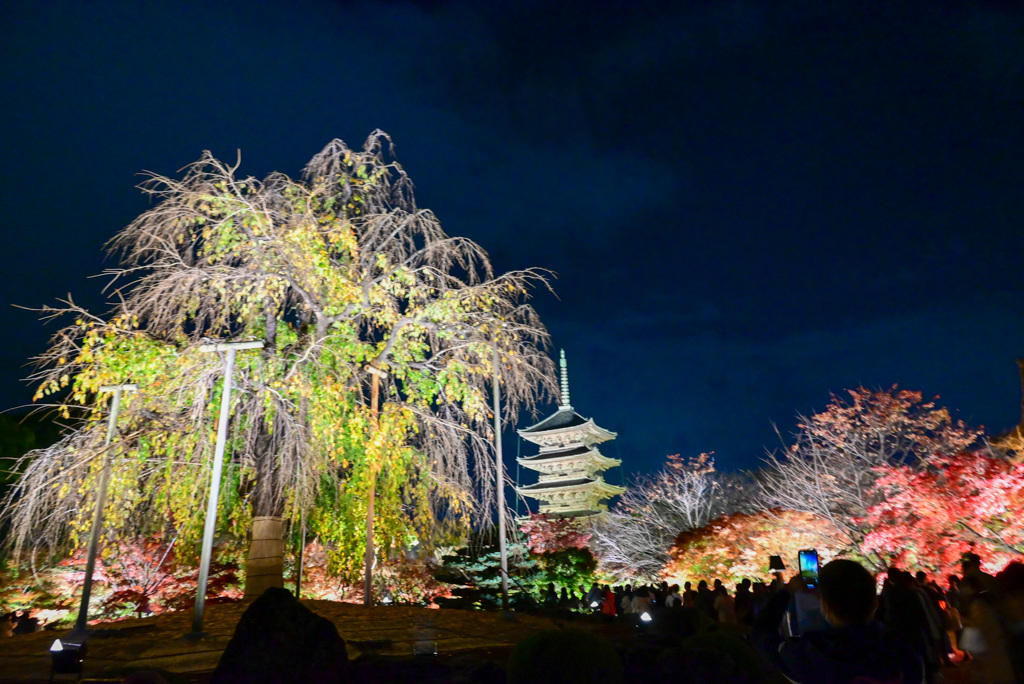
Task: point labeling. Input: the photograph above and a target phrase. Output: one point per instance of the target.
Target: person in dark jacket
(908, 616)
(852, 649)
(706, 601)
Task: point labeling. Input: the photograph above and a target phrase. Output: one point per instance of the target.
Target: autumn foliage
(928, 516)
(404, 580)
(829, 471)
(548, 534)
(733, 547)
(559, 546)
(134, 578)
(633, 539)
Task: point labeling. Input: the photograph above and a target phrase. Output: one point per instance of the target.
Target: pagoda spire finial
(565, 382)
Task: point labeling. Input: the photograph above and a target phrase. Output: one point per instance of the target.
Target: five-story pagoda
(569, 463)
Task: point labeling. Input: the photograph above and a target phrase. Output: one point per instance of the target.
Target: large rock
(278, 640)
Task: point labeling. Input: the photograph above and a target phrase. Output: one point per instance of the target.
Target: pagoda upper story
(570, 465)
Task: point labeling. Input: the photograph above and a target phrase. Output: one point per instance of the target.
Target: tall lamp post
(218, 465)
(101, 500)
(500, 467)
(368, 554)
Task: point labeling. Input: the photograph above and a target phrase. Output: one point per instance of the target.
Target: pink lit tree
(927, 517)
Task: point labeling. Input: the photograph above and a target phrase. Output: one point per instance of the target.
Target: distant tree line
(884, 476)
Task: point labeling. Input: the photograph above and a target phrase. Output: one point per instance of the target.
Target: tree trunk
(369, 553)
(264, 568)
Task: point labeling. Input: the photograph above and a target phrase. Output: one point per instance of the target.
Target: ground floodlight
(594, 604)
(645, 616)
(66, 657)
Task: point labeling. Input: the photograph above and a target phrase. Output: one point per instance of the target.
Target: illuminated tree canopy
(928, 517)
(337, 273)
(633, 539)
(737, 546)
(829, 471)
(547, 534)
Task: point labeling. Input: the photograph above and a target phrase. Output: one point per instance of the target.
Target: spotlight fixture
(66, 657)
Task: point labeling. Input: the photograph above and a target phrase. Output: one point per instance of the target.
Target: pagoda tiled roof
(558, 484)
(562, 418)
(560, 453)
(578, 513)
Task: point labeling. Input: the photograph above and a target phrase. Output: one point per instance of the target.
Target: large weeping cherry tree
(371, 391)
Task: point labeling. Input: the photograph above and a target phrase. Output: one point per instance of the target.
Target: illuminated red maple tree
(134, 577)
(142, 577)
(928, 516)
(831, 469)
(549, 534)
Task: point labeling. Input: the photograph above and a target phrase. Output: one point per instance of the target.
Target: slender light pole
(501, 478)
(368, 555)
(101, 500)
(218, 464)
(300, 557)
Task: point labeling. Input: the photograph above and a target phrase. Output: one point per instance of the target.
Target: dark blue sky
(749, 205)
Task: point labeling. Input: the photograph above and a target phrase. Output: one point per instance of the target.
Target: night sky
(749, 205)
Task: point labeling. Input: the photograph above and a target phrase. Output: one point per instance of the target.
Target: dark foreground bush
(278, 640)
(714, 658)
(567, 656)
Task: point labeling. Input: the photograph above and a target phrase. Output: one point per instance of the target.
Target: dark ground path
(383, 634)
(471, 646)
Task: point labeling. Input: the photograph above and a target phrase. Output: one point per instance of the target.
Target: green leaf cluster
(334, 272)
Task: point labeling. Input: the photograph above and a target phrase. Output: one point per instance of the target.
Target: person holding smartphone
(851, 649)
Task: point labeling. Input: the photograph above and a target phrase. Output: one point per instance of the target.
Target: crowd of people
(715, 601)
(901, 627)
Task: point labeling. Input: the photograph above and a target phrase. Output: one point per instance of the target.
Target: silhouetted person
(689, 596)
(594, 596)
(642, 601)
(852, 649)
(758, 597)
(725, 607)
(970, 565)
(937, 608)
(986, 636)
(608, 603)
(673, 599)
(625, 603)
(705, 600)
(908, 616)
(1010, 586)
(744, 603)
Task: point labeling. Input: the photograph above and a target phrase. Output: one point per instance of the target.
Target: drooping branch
(331, 271)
